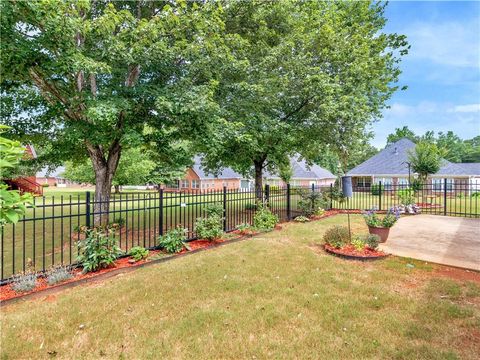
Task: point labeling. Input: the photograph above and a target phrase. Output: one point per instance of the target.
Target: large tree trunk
(259, 179)
(104, 171)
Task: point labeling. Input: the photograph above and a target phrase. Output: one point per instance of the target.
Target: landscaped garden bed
(78, 275)
(349, 252)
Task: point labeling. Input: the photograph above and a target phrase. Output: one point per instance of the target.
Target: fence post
(445, 196)
(379, 195)
(331, 196)
(289, 210)
(160, 221)
(87, 209)
(267, 193)
(224, 208)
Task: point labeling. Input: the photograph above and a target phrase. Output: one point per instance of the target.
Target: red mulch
(427, 205)
(7, 293)
(349, 250)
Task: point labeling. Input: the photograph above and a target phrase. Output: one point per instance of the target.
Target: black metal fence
(440, 197)
(48, 234)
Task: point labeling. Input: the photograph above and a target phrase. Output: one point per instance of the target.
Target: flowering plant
(373, 220)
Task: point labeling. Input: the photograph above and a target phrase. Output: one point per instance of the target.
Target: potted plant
(380, 226)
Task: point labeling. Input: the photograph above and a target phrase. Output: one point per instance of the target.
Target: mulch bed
(7, 293)
(349, 252)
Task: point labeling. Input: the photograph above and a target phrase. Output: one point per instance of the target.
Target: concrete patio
(444, 240)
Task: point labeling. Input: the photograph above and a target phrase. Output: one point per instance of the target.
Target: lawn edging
(122, 270)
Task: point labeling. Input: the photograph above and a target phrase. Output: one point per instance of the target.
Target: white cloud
(470, 108)
(447, 43)
(429, 116)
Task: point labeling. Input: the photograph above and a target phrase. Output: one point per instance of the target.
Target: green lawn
(274, 296)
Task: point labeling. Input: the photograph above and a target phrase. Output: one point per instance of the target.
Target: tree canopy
(308, 75)
(87, 77)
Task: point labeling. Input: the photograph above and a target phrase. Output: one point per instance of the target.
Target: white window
(364, 181)
(185, 183)
(195, 184)
(403, 182)
(387, 183)
(437, 184)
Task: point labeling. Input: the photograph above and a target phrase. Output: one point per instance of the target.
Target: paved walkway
(445, 240)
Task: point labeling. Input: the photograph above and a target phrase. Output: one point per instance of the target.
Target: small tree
(426, 159)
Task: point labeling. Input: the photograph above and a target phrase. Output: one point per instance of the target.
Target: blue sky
(442, 69)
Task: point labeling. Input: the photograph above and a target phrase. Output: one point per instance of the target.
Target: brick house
(303, 175)
(390, 166)
(53, 177)
(196, 178)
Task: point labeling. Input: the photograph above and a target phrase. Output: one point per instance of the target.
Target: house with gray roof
(197, 178)
(391, 167)
(303, 174)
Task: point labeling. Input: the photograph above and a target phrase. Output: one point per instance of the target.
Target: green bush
(250, 206)
(375, 189)
(406, 196)
(475, 194)
(311, 201)
(372, 241)
(99, 250)
(173, 241)
(138, 253)
(337, 236)
(358, 243)
(264, 219)
(211, 226)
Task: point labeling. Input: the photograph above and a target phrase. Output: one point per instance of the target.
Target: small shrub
(302, 219)
(24, 282)
(320, 211)
(475, 194)
(375, 189)
(337, 236)
(58, 274)
(117, 223)
(211, 226)
(264, 219)
(406, 196)
(173, 241)
(245, 228)
(99, 250)
(214, 210)
(310, 202)
(251, 206)
(358, 243)
(372, 241)
(138, 253)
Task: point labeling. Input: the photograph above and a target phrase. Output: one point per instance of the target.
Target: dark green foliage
(173, 241)
(99, 250)
(211, 226)
(311, 202)
(250, 206)
(375, 189)
(138, 253)
(264, 219)
(337, 236)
